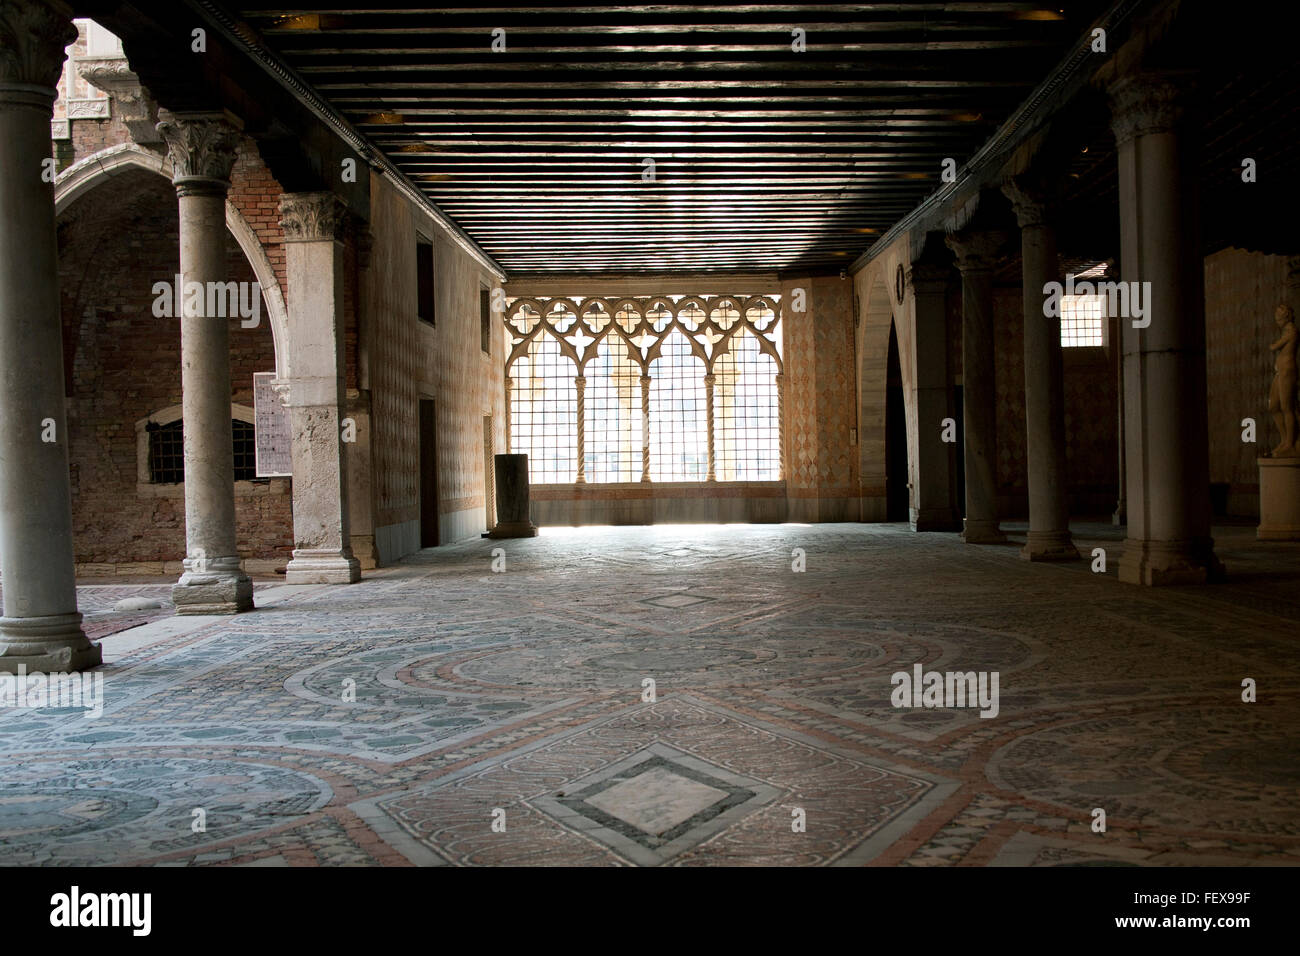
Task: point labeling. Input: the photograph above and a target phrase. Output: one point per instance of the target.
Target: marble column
(976, 252)
(1166, 419)
(931, 504)
(1049, 508)
(202, 148)
(40, 629)
(314, 393)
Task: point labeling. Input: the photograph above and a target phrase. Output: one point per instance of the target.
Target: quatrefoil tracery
(706, 324)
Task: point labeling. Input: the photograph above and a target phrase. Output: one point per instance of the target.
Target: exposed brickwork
(123, 364)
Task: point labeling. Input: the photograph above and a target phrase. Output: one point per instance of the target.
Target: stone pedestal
(1279, 499)
(202, 149)
(41, 628)
(514, 517)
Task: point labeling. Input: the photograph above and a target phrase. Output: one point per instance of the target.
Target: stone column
(40, 629)
(1049, 507)
(1166, 419)
(202, 149)
(975, 258)
(315, 395)
(931, 503)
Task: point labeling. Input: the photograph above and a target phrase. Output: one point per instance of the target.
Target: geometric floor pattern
(681, 696)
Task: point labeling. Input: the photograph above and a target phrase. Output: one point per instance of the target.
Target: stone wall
(1241, 291)
(407, 360)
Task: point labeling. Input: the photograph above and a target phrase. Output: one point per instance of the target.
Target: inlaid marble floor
(441, 712)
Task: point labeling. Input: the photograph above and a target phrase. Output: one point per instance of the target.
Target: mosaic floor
(682, 696)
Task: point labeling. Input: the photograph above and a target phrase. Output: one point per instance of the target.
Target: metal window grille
(745, 411)
(167, 451)
(679, 426)
(543, 412)
(1082, 320)
(612, 444)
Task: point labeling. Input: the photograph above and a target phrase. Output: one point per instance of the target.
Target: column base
(51, 644)
(1162, 563)
(1120, 517)
(934, 519)
(982, 532)
(322, 567)
(212, 594)
(514, 529)
(1049, 546)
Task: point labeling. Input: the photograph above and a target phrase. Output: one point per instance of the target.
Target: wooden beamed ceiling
(764, 158)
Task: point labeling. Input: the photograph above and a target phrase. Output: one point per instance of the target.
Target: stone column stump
(514, 518)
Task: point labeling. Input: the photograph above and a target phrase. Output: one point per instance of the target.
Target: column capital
(1032, 200)
(1145, 103)
(311, 217)
(202, 148)
(33, 36)
(977, 251)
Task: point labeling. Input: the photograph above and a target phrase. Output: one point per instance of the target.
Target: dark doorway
(428, 474)
(897, 505)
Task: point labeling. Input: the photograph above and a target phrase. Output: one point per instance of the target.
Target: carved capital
(311, 217)
(202, 148)
(1145, 103)
(1033, 202)
(976, 251)
(33, 36)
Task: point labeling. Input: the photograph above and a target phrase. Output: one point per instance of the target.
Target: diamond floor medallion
(655, 803)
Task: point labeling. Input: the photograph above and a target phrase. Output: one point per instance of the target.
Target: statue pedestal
(1279, 499)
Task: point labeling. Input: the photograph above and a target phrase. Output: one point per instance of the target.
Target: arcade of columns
(1166, 475)
(41, 627)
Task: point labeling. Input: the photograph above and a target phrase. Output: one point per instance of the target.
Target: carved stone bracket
(33, 36)
(135, 106)
(311, 217)
(923, 277)
(977, 251)
(202, 147)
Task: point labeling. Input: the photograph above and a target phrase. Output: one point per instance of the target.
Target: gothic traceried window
(662, 388)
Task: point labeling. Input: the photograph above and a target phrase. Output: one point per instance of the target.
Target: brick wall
(123, 364)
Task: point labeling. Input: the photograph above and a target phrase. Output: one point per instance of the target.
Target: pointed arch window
(662, 388)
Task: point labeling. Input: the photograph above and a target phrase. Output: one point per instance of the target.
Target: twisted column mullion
(780, 426)
(645, 427)
(708, 409)
(580, 387)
